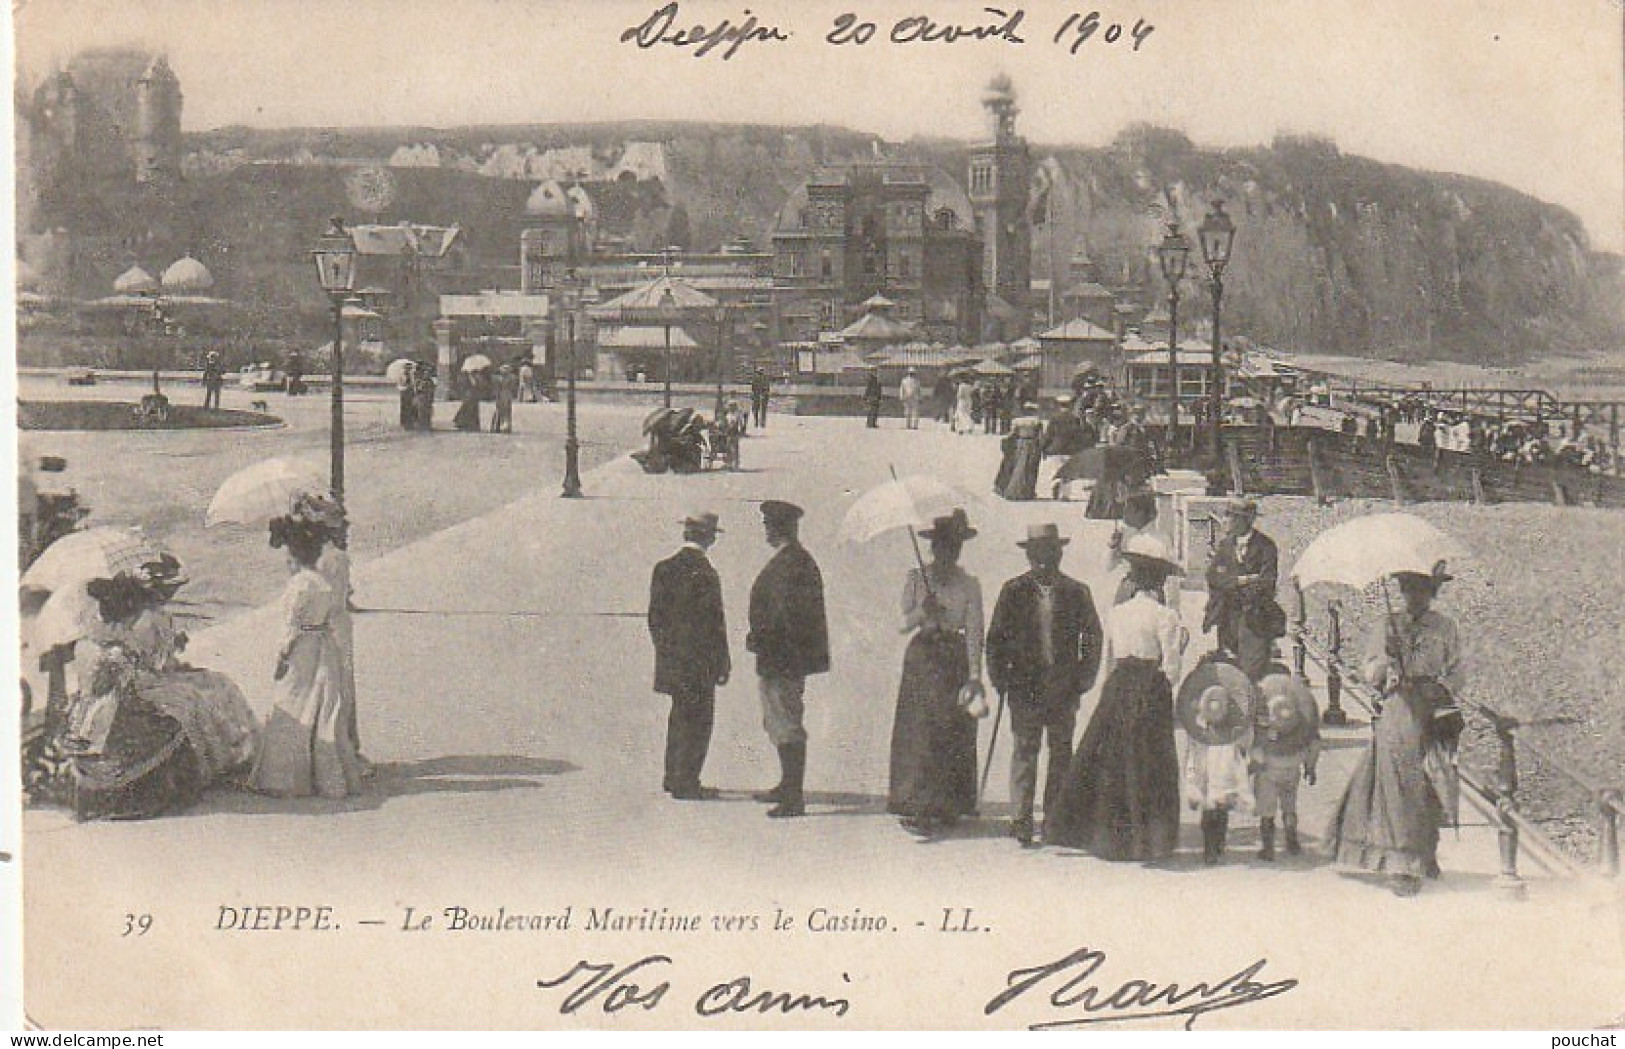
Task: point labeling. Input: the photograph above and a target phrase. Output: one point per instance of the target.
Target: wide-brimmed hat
(1436, 578)
(1239, 506)
(704, 520)
(954, 526)
(777, 511)
(1043, 533)
(1240, 693)
(1065, 398)
(1273, 687)
(1146, 547)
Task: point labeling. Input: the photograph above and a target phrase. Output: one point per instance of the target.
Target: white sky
(1530, 94)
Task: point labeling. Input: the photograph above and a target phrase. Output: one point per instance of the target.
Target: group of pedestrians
(1251, 729)
(415, 384)
(788, 635)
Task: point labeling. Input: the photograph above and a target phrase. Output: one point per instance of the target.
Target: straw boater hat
(1239, 506)
(1274, 687)
(705, 521)
(1043, 533)
(954, 524)
(1236, 689)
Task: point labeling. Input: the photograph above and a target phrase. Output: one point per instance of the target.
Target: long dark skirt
(1120, 799)
(1018, 474)
(1388, 821)
(409, 409)
(147, 769)
(467, 418)
(933, 742)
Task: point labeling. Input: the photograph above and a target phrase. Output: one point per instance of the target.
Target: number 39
(137, 924)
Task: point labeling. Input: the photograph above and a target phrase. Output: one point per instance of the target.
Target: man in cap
(1043, 651)
(790, 637)
(690, 636)
(1241, 581)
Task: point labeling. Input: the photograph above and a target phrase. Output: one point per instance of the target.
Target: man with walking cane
(1043, 652)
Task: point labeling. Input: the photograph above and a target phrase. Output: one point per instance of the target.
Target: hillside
(1334, 253)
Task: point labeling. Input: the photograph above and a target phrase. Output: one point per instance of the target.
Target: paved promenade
(504, 675)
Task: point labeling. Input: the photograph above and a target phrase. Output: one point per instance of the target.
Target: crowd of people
(133, 731)
(1251, 729)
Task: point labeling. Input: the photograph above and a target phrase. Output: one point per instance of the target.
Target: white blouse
(1141, 628)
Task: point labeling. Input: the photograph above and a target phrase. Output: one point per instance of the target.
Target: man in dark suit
(1241, 580)
(761, 390)
(1043, 651)
(790, 636)
(690, 636)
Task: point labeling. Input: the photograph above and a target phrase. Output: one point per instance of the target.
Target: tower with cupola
(1000, 182)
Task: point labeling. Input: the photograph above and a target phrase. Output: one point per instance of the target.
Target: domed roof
(549, 200)
(187, 274)
(134, 281)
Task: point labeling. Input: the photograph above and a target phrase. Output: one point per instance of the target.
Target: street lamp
(335, 268)
(722, 343)
(573, 299)
(1217, 233)
(1173, 253)
(667, 308)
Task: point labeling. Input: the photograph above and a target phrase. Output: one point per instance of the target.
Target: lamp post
(571, 302)
(1173, 253)
(668, 305)
(335, 268)
(722, 343)
(1217, 233)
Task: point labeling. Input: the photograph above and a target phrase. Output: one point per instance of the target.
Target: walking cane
(991, 743)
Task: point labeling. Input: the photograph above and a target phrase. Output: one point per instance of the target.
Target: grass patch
(120, 415)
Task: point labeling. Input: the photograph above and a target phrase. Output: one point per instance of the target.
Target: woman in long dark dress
(933, 746)
(1120, 799)
(467, 418)
(1388, 822)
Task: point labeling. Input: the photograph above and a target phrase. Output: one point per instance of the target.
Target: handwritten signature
(1071, 985)
(611, 987)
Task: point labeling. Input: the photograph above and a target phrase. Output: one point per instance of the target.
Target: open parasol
(397, 369)
(475, 362)
(1369, 549)
(70, 614)
(95, 553)
(901, 503)
(265, 490)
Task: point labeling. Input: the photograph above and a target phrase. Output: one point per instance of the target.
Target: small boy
(1285, 747)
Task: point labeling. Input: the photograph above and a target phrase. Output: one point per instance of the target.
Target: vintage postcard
(806, 515)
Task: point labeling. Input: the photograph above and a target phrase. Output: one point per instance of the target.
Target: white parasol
(475, 362)
(1369, 549)
(70, 614)
(265, 490)
(397, 369)
(908, 502)
(96, 553)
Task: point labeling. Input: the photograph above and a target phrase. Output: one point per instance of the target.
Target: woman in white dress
(306, 747)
